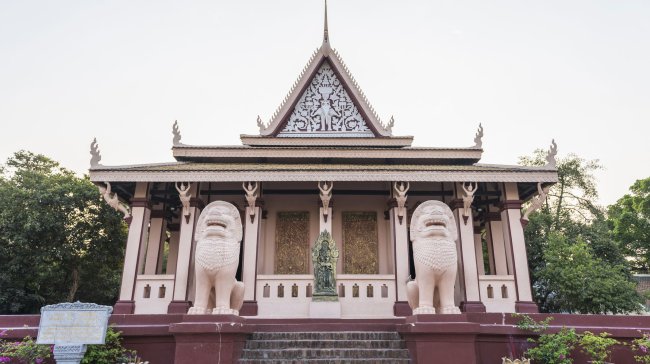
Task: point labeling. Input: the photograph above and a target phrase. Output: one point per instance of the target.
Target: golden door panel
(292, 243)
(360, 246)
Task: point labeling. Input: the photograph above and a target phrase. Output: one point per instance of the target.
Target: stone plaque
(292, 243)
(360, 243)
(73, 324)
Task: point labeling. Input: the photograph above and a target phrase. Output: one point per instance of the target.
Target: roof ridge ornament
(478, 138)
(260, 124)
(389, 125)
(95, 154)
(176, 131)
(326, 35)
(550, 156)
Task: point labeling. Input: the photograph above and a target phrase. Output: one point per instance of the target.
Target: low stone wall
(465, 338)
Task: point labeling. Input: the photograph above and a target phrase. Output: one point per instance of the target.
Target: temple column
(478, 248)
(138, 227)
(249, 264)
(399, 239)
(172, 257)
(154, 246)
(180, 302)
(496, 238)
(514, 234)
(472, 302)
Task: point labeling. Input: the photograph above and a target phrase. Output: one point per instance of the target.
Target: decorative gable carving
(325, 109)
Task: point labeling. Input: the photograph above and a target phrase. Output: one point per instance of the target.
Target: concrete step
(335, 335)
(325, 361)
(324, 344)
(301, 353)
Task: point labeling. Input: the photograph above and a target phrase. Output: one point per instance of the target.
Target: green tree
(629, 220)
(58, 240)
(570, 213)
(583, 283)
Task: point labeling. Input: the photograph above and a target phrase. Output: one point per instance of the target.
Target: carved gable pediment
(325, 109)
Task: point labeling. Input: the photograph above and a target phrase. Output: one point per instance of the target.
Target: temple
(324, 162)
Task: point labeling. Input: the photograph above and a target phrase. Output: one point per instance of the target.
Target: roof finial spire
(326, 36)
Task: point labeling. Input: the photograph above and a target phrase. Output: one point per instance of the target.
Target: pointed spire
(326, 35)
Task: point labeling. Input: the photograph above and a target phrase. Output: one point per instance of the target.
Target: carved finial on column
(550, 157)
(468, 198)
(536, 203)
(325, 196)
(478, 138)
(183, 189)
(113, 200)
(95, 156)
(251, 197)
(177, 133)
(389, 125)
(400, 197)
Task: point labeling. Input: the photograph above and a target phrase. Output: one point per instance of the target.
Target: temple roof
(234, 172)
(325, 102)
(325, 129)
(326, 154)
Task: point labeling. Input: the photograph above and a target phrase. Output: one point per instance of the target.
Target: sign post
(70, 327)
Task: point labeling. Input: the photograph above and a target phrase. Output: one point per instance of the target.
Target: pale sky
(530, 71)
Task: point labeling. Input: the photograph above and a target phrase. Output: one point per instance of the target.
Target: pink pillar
(180, 302)
(249, 263)
(478, 248)
(156, 240)
(399, 240)
(467, 256)
(514, 232)
(138, 227)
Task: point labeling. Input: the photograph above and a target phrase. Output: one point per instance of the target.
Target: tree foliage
(629, 219)
(570, 224)
(583, 283)
(58, 240)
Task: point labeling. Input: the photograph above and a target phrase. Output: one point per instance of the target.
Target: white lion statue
(434, 234)
(218, 237)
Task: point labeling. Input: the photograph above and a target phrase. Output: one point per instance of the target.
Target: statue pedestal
(325, 309)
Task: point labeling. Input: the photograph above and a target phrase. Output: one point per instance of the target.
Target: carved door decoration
(360, 243)
(292, 243)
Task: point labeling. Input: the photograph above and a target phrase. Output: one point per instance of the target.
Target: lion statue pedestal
(218, 237)
(434, 233)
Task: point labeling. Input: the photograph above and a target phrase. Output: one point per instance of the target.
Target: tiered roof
(324, 129)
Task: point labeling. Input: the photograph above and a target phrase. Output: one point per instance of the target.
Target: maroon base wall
(465, 338)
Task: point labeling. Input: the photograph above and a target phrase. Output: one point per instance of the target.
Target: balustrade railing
(359, 295)
(498, 292)
(153, 293)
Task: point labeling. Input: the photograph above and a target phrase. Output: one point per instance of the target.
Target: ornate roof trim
(301, 152)
(262, 141)
(325, 54)
(330, 175)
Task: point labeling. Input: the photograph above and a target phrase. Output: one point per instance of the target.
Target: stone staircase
(325, 347)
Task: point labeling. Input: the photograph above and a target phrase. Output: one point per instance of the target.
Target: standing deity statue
(325, 196)
(185, 197)
(324, 256)
(468, 198)
(400, 197)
